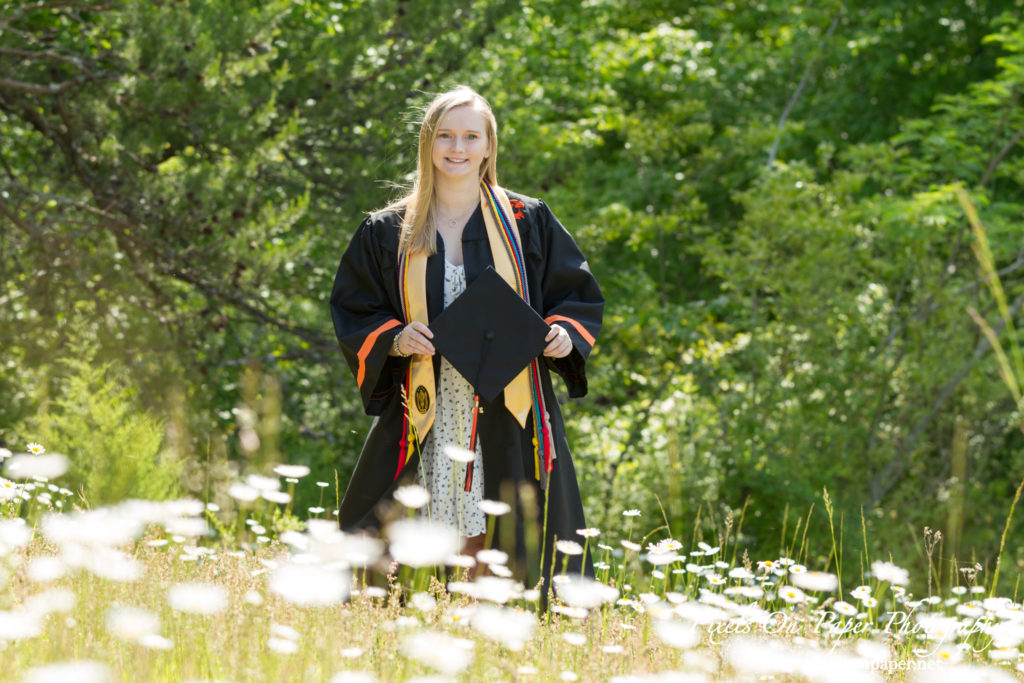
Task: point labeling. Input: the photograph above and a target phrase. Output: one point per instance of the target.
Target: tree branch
(883, 483)
(998, 158)
(44, 54)
(35, 88)
(211, 292)
(800, 88)
(930, 306)
(638, 424)
(33, 230)
(53, 4)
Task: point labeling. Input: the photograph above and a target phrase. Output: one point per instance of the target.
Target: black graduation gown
(365, 307)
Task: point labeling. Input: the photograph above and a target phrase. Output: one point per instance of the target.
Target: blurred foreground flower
(511, 627)
(412, 496)
(25, 466)
(132, 623)
(311, 585)
(494, 507)
(243, 492)
(492, 556)
(79, 672)
(491, 588)
(582, 592)
(816, 582)
(569, 547)
(439, 651)
(326, 542)
(261, 483)
(844, 608)
(19, 625)
(353, 677)
(45, 568)
(678, 634)
(102, 527)
(14, 533)
(291, 471)
(197, 598)
(458, 454)
(282, 646)
(887, 571)
(422, 543)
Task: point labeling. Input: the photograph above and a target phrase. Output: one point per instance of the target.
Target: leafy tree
(762, 188)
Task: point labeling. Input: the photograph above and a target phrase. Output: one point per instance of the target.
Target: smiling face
(461, 144)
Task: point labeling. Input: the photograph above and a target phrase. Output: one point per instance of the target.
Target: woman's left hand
(559, 342)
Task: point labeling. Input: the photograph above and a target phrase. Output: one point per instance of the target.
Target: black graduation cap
(489, 334)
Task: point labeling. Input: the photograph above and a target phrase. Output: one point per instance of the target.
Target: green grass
(682, 614)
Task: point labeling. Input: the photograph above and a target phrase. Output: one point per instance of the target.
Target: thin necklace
(452, 222)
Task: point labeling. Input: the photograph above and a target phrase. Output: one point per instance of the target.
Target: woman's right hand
(415, 339)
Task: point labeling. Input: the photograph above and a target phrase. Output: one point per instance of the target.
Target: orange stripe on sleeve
(579, 328)
(367, 346)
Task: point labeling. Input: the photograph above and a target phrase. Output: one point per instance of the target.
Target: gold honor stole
(523, 395)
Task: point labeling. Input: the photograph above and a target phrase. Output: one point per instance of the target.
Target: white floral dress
(444, 478)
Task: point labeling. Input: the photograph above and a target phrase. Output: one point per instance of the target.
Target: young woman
(404, 266)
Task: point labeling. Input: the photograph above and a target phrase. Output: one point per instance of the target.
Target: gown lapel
(435, 281)
(476, 249)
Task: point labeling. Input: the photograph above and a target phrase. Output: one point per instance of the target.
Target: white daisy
(792, 595)
(494, 507)
(292, 471)
(569, 547)
(887, 571)
(844, 608)
(412, 496)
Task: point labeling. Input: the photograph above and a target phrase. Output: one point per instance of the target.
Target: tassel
(472, 444)
(472, 431)
(408, 429)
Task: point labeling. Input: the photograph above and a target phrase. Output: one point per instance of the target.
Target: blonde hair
(418, 231)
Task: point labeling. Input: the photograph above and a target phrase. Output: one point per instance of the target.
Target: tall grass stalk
(837, 551)
(866, 558)
(1011, 372)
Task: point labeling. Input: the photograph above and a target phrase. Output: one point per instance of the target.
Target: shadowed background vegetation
(764, 190)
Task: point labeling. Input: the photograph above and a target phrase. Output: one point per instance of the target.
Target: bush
(114, 446)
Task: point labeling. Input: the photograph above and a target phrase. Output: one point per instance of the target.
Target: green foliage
(115, 449)
(764, 190)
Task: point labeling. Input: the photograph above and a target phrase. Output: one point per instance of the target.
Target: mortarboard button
(489, 334)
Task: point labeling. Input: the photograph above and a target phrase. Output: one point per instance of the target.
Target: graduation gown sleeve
(571, 298)
(365, 311)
